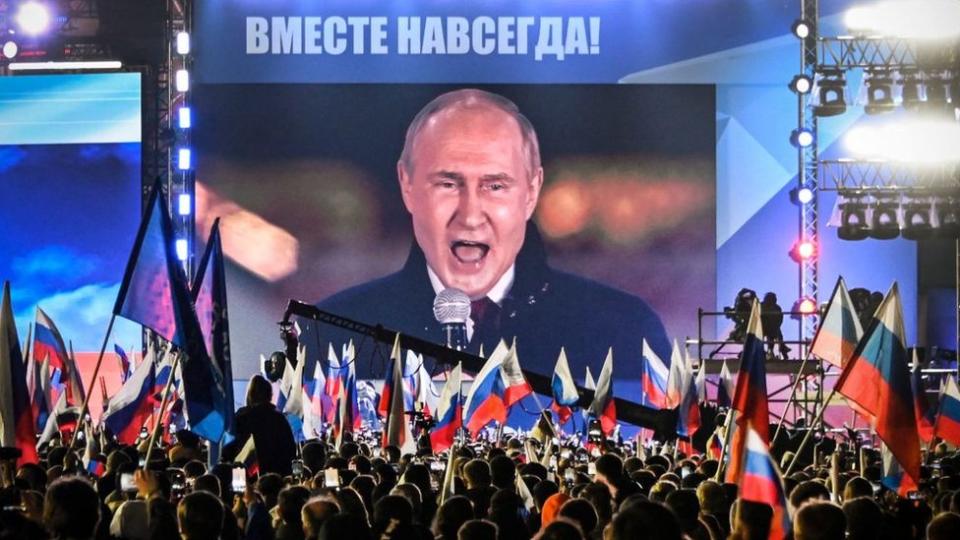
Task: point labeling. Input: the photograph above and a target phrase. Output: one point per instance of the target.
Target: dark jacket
(272, 437)
(545, 310)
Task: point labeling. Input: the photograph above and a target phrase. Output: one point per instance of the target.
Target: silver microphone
(451, 308)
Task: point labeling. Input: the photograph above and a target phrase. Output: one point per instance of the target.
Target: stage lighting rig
(916, 219)
(801, 138)
(831, 94)
(879, 92)
(885, 223)
(948, 218)
(910, 89)
(801, 28)
(801, 84)
(853, 220)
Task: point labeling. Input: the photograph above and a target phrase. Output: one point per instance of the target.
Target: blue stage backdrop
(70, 177)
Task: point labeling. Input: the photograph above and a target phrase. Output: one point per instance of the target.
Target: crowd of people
(359, 491)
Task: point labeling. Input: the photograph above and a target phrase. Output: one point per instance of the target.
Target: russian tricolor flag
(725, 387)
(603, 406)
(426, 395)
(17, 426)
(391, 382)
(348, 410)
(515, 385)
(676, 379)
(840, 331)
(750, 396)
(925, 414)
(564, 389)
(947, 426)
(396, 428)
(133, 404)
(332, 386)
(760, 482)
(484, 402)
(688, 421)
(877, 380)
(248, 457)
(449, 416)
(654, 378)
(48, 344)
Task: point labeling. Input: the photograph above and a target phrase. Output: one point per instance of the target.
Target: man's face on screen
(470, 193)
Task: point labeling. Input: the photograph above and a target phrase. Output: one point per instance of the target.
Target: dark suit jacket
(272, 436)
(545, 309)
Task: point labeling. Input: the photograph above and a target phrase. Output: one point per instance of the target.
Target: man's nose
(470, 209)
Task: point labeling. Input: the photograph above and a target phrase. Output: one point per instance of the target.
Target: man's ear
(536, 183)
(406, 185)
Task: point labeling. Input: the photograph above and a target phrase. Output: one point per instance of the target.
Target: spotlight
(910, 93)
(886, 222)
(183, 159)
(916, 220)
(853, 220)
(33, 18)
(879, 93)
(182, 80)
(183, 204)
(948, 218)
(183, 43)
(801, 28)
(801, 195)
(181, 246)
(10, 50)
(806, 306)
(801, 84)
(936, 87)
(832, 102)
(801, 138)
(184, 119)
(803, 250)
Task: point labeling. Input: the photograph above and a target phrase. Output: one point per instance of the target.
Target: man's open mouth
(469, 252)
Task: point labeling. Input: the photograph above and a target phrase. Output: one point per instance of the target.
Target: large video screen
(619, 246)
(70, 177)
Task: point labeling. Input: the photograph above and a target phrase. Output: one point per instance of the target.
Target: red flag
(750, 395)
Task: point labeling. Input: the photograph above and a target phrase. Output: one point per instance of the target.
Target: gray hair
(472, 98)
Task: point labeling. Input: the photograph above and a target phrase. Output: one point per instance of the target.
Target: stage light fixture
(803, 250)
(853, 220)
(184, 119)
(33, 18)
(801, 28)
(181, 246)
(10, 50)
(183, 204)
(886, 222)
(182, 80)
(801, 84)
(879, 92)
(801, 138)
(832, 101)
(183, 159)
(910, 91)
(936, 90)
(183, 43)
(806, 306)
(948, 218)
(801, 195)
(916, 220)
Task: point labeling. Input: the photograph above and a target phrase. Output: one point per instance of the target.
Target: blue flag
(156, 294)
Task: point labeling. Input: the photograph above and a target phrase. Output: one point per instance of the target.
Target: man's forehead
(464, 119)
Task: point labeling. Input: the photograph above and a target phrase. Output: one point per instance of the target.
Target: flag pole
(163, 405)
(96, 372)
(806, 437)
(26, 347)
(793, 394)
(728, 424)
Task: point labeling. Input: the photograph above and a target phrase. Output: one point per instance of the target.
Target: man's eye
(496, 186)
(448, 184)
